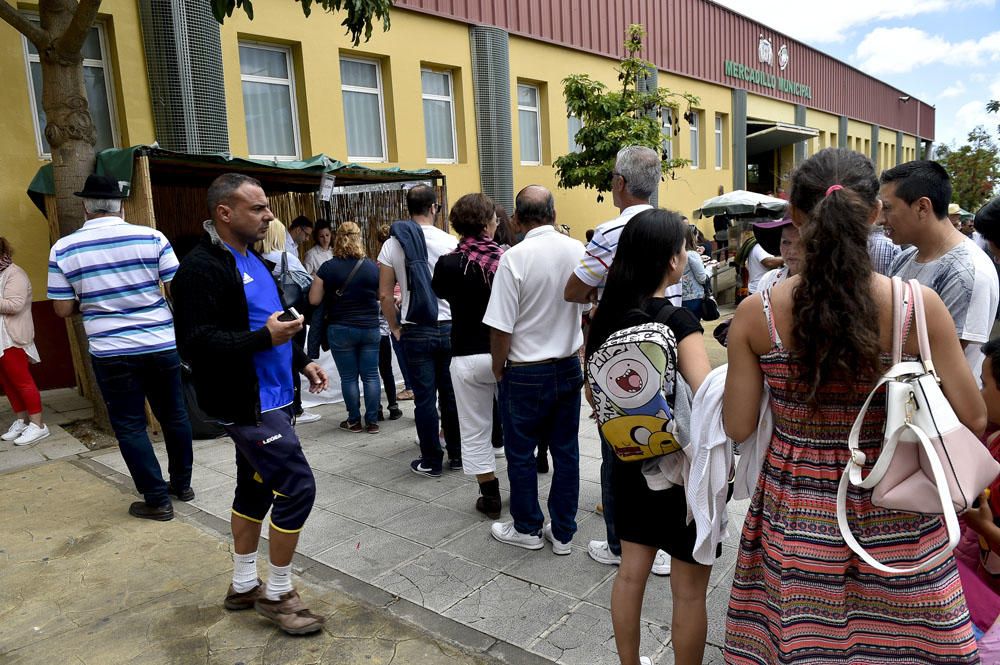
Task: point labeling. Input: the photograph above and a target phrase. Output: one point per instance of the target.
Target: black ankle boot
(489, 503)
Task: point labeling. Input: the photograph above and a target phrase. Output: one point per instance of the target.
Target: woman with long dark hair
(820, 340)
(651, 256)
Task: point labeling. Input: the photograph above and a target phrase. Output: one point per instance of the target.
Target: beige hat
(954, 209)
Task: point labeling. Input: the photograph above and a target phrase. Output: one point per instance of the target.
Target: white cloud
(816, 21)
(955, 90)
(953, 123)
(899, 50)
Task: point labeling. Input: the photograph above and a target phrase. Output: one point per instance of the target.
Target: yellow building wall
(23, 225)
(827, 125)
(689, 187)
(545, 66)
(770, 109)
(317, 43)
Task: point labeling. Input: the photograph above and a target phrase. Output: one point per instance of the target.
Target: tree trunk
(71, 135)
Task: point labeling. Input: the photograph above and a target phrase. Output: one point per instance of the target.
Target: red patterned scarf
(482, 251)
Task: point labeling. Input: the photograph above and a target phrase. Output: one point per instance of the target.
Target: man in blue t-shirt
(229, 319)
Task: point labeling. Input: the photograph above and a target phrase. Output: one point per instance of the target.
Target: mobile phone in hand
(290, 314)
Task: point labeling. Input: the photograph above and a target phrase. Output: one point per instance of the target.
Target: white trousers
(474, 383)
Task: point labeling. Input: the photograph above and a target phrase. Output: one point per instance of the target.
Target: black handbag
(709, 308)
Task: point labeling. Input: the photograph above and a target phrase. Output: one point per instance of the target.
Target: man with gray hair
(636, 176)
(110, 272)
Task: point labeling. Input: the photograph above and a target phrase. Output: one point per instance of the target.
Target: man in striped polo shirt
(637, 174)
(110, 272)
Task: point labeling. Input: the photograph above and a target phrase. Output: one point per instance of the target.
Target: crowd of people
(498, 330)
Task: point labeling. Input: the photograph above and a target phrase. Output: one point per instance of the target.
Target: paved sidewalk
(82, 582)
(381, 533)
(422, 539)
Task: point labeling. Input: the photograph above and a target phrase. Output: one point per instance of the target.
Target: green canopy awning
(302, 175)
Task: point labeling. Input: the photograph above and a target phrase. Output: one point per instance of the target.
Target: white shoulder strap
(940, 483)
(921, 325)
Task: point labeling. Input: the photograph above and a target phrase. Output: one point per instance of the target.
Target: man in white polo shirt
(111, 271)
(636, 176)
(534, 343)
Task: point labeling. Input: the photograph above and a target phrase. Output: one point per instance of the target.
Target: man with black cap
(110, 272)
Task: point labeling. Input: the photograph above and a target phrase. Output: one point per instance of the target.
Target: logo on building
(783, 57)
(764, 50)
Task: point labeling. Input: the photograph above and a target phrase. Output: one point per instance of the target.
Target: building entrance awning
(775, 135)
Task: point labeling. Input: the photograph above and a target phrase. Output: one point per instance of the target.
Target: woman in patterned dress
(820, 340)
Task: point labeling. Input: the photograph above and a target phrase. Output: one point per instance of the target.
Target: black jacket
(213, 335)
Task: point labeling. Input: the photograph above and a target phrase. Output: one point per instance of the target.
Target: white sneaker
(506, 533)
(14, 431)
(661, 564)
(558, 547)
(644, 660)
(307, 417)
(601, 553)
(31, 434)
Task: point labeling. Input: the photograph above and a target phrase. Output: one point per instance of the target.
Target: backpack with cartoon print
(630, 376)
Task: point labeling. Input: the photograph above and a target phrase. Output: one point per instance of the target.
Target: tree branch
(16, 20)
(71, 41)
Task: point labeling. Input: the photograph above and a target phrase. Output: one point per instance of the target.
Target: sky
(943, 52)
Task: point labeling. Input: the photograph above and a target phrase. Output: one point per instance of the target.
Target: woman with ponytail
(820, 340)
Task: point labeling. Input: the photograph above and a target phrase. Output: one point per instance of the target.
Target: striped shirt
(114, 269)
(596, 262)
(882, 250)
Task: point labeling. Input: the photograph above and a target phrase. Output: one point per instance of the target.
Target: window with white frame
(668, 133)
(269, 101)
(695, 139)
(574, 124)
(529, 124)
(97, 81)
(718, 141)
(439, 116)
(364, 117)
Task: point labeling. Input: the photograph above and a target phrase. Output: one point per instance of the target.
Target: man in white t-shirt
(534, 343)
(427, 346)
(761, 261)
(915, 198)
(636, 176)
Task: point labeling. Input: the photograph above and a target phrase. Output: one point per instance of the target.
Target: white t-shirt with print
(438, 244)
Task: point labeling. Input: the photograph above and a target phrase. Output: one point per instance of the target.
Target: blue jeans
(428, 359)
(542, 403)
(608, 496)
(355, 352)
(693, 306)
(126, 383)
(397, 348)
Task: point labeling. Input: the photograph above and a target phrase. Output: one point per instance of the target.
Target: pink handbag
(930, 462)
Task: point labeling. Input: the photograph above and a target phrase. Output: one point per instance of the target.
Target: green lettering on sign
(765, 79)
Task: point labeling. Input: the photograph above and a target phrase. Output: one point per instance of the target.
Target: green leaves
(974, 169)
(613, 120)
(360, 14)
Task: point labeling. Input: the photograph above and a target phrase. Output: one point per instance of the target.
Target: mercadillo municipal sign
(764, 78)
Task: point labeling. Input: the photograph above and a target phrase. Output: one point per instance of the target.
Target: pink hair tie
(833, 188)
